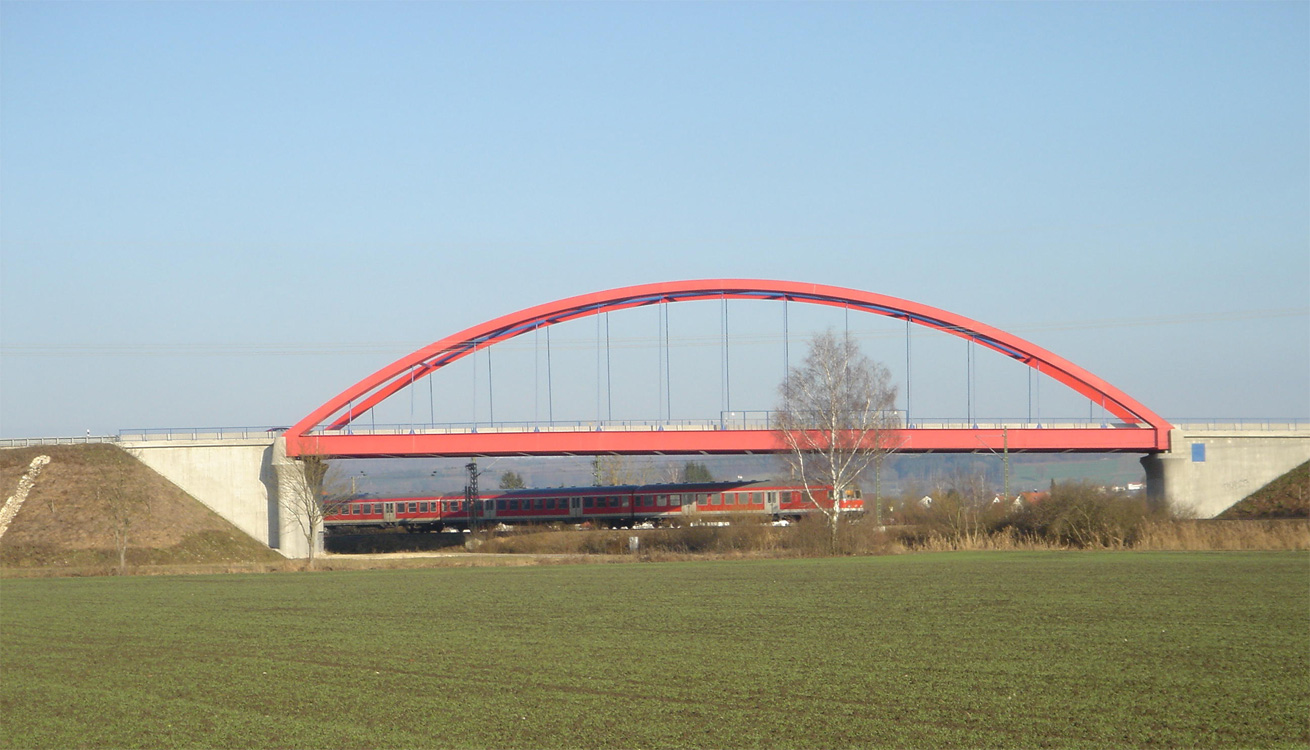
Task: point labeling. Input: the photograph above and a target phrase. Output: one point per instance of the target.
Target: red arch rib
(381, 385)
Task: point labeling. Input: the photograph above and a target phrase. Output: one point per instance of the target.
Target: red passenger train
(623, 506)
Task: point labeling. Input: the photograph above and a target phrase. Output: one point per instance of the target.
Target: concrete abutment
(244, 480)
(1208, 471)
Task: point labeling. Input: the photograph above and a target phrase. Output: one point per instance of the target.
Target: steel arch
(358, 399)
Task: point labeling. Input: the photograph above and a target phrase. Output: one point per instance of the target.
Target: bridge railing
(26, 442)
(730, 421)
(749, 420)
(1244, 425)
(198, 433)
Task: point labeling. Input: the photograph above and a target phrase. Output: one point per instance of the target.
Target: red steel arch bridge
(327, 431)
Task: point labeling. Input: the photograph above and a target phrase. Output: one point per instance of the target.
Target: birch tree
(313, 491)
(836, 418)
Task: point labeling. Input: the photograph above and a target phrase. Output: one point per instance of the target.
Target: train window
(354, 511)
(730, 498)
(661, 501)
(500, 505)
(513, 504)
(675, 501)
(422, 507)
(589, 502)
(550, 503)
(755, 498)
(614, 502)
(413, 507)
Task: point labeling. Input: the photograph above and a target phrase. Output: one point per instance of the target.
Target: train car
(622, 506)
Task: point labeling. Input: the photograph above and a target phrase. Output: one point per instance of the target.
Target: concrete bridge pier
(1207, 471)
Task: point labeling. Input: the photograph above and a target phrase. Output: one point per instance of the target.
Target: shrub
(1079, 514)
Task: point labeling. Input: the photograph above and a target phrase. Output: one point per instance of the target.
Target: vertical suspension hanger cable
(432, 402)
(550, 386)
(609, 375)
(491, 391)
(1039, 395)
(727, 361)
(968, 383)
(659, 362)
(1030, 394)
(668, 371)
(536, 372)
(973, 380)
(846, 311)
(907, 370)
(473, 356)
(786, 343)
(723, 347)
(598, 366)
(411, 399)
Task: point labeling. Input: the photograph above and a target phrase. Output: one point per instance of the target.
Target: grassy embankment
(66, 523)
(1023, 649)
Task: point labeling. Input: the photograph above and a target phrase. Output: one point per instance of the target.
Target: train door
(575, 507)
(771, 503)
(488, 508)
(389, 512)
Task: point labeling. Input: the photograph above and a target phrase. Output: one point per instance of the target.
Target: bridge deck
(547, 442)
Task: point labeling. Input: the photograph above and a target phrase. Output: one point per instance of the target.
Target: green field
(992, 649)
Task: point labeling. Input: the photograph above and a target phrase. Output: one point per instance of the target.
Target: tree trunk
(120, 538)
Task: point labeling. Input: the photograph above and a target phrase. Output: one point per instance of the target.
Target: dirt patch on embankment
(87, 492)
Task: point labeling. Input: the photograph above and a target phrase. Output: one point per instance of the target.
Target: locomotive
(621, 506)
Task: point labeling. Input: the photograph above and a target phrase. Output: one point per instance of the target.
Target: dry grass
(1286, 497)
(65, 521)
(1226, 535)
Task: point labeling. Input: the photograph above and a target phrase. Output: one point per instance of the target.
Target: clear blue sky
(226, 213)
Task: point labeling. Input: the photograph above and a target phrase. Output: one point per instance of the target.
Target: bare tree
(836, 418)
(613, 471)
(313, 492)
(124, 507)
